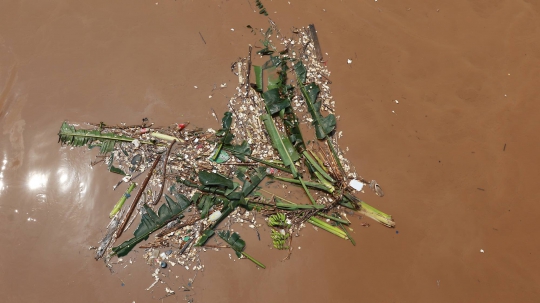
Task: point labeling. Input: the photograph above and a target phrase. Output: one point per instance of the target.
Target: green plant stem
(339, 220)
(348, 235)
(316, 165)
(122, 200)
(329, 228)
(253, 260)
(306, 190)
(268, 163)
(307, 183)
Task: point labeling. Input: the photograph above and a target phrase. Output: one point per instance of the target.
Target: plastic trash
(214, 216)
(357, 185)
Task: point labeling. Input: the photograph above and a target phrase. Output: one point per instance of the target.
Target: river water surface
(457, 157)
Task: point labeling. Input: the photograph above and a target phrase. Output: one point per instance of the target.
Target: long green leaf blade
(279, 144)
(150, 222)
(69, 135)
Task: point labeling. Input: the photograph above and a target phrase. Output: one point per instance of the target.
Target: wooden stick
(248, 72)
(164, 171)
(313, 34)
(136, 200)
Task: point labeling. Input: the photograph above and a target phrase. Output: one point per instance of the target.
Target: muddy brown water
(457, 157)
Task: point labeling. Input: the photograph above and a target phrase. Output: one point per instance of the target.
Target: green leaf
(207, 202)
(204, 237)
(265, 52)
(253, 181)
(213, 179)
(290, 148)
(234, 240)
(114, 169)
(323, 125)
(317, 167)
(274, 80)
(274, 102)
(258, 77)
(150, 222)
(279, 144)
(226, 121)
(80, 137)
(239, 151)
(301, 72)
(225, 132)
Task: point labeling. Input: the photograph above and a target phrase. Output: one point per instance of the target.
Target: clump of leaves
(238, 245)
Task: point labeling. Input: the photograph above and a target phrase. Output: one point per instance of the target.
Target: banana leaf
(225, 212)
(151, 222)
(274, 102)
(239, 151)
(114, 169)
(80, 137)
(317, 167)
(207, 234)
(258, 77)
(282, 144)
(238, 245)
(225, 133)
(213, 179)
(253, 181)
(206, 202)
(323, 125)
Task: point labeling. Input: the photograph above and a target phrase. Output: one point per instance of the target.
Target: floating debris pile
(281, 125)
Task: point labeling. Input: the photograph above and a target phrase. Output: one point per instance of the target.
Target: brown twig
(313, 34)
(103, 126)
(248, 72)
(177, 227)
(202, 38)
(240, 164)
(164, 172)
(136, 200)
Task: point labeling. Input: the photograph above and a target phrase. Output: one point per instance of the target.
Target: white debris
(349, 61)
(482, 251)
(357, 185)
(397, 102)
(214, 216)
(195, 86)
(136, 143)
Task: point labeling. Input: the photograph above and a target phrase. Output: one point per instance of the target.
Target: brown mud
(457, 157)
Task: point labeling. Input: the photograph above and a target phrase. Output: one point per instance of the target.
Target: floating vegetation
(280, 126)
